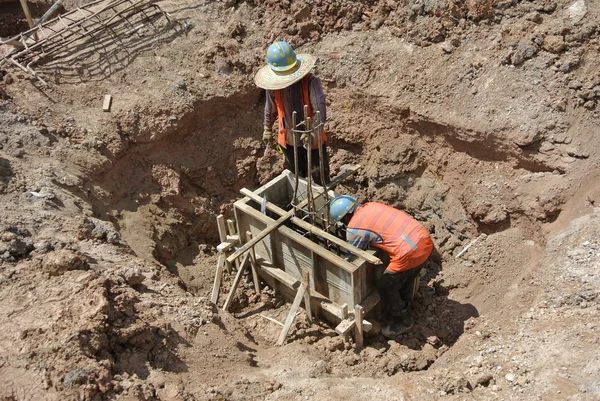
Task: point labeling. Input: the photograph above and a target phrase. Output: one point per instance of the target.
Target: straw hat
(284, 67)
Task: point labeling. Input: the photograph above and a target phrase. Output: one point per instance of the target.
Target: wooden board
(107, 103)
(285, 255)
(368, 256)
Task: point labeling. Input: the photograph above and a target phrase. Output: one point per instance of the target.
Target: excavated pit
(164, 195)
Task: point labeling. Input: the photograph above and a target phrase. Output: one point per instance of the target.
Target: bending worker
(407, 243)
(290, 85)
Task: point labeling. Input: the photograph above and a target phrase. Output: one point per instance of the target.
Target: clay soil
(480, 118)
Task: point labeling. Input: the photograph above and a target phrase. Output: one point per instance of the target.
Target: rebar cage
(92, 41)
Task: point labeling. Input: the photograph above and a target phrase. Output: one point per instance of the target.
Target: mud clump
(15, 244)
(58, 262)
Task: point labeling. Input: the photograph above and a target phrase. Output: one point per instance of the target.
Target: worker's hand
(267, 134)
(307, 140)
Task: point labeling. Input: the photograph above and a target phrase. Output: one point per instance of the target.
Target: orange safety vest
(406, 241)
(281, 113)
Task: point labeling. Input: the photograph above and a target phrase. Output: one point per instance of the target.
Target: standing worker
(407, 243)
(290, 86)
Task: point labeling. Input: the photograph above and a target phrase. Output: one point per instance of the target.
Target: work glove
(267, 134)
(307, 140)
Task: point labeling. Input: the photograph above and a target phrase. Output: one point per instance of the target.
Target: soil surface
(479, 118)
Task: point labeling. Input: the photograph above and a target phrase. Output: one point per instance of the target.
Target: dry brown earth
(477, 117)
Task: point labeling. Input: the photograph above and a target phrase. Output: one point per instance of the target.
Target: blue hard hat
(281, 56)
(340, 206)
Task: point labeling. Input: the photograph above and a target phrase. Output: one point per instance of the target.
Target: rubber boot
(400, 325)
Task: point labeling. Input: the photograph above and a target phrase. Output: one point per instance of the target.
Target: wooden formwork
(287, 257)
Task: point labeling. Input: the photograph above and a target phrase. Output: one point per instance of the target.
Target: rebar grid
(90, 30)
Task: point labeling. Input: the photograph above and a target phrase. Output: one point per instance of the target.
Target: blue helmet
(340, 206)
(281, 57)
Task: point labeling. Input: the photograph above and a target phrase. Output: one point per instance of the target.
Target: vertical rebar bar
(308, 146)
(295, 139)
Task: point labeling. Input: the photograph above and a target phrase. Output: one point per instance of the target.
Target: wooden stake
(344, 316)
(231, 227)
(358, 326)
(27, 13)
(292, 314)
(232, 231)
(217, 284)
(306, 282)
(223, 235)
(344, 310)
(253, 266)
(236, 282)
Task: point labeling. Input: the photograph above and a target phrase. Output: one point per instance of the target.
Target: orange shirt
(406, 241)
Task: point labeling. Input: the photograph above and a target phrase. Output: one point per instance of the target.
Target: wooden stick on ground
(236, 282)
(271, 319)
(217, 283)
(292, 314)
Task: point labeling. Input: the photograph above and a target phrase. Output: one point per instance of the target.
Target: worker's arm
(270, 109)
(317, 97)
(361, 238)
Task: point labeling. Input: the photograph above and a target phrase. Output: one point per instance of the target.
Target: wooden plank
(370, 302)
(271, 319)
(344, 308)
(307, 308)
(330, 307)
(277, 223)
(107, 103)
(223, 235)
(322, 252)
(236, 282)
(305, 242)
(344, 316)
(315, 230)
(231, 227)
(285, 217)
(218, 276)
(232, 231)
(358, 326)
(347, 325)
(250, 219)
(253, 266)
(290, 282)
(232, 240)
(281, 276)
(367, 305)
(292, 314)
(291, 257)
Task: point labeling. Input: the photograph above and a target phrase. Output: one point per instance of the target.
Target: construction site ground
(479, 118)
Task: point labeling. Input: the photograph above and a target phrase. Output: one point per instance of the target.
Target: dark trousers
(303, 162)
(397, 290)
